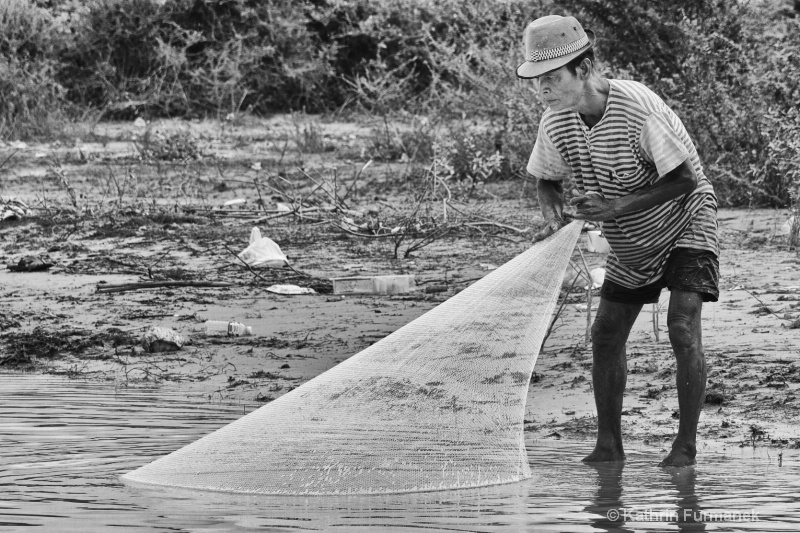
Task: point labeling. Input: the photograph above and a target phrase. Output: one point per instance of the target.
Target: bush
(731, 71)
(33, 102)
(26, 31)
(155, 145)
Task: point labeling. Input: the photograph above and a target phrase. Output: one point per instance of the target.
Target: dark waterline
(64, 443)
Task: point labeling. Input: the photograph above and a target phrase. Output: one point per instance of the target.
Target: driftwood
(122, 287)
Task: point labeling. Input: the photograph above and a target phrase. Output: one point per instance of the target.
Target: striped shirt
(638, 140)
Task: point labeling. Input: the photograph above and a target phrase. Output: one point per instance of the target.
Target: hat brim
(534, 69)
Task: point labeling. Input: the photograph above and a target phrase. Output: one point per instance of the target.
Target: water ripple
(64, 443)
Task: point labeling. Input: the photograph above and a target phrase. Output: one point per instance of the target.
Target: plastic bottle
(392, 284)
(223, 328)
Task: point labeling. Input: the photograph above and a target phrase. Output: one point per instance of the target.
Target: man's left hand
(594, 207)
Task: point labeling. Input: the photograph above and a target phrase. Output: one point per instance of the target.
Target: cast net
(438, 404)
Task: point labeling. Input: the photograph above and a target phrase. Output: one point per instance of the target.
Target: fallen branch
(766, 307)
(497, 225)
(121, 287)
(368, 235)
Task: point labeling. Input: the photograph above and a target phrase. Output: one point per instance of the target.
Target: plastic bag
(598, 277)
(262, 251)
(160, 339)
(290, 290)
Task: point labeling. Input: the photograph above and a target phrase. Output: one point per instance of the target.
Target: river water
(63, 444)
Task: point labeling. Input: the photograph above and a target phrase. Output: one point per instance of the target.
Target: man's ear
(586, 67)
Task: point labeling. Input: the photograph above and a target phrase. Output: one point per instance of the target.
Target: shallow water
(64, 443)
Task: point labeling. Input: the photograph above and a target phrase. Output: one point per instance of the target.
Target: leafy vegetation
(731, 70)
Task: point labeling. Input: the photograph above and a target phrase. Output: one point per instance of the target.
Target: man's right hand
(551, 226)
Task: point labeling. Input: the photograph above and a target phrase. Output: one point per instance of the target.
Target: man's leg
(685, 335)
(609, 374)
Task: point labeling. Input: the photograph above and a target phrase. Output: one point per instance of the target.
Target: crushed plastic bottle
(221, 328)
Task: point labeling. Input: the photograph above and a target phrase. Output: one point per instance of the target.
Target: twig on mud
(765, 306)
(123, 263)
(7, 159)
(260, 198)
(121, 287)
(256, 274)
(558, 313)
(588, 335)
(497, 225)
(366, 235)
(157, 261)
(428, 239)
(141, 316)
(298, 272)
(355, 180)
(320, 186)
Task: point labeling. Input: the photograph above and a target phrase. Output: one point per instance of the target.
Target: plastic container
(221, 328)
(374, 284)
(597, 243)
(392, 284)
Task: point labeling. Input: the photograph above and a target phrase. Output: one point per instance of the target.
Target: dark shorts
(688, 269)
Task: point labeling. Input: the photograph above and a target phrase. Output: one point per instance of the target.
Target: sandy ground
(104, 214)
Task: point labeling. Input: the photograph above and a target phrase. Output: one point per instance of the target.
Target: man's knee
(684, 334)
(608, 333)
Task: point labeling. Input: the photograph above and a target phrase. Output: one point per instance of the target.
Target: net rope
(438, 404)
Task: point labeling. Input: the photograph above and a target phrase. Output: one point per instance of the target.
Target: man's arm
(551, 199)
(679, 181)
(551, 202)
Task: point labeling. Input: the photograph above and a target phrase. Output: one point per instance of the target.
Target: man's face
(559, 89)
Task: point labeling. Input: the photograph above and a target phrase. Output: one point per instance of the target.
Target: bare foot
(681, 455)
(603, 454)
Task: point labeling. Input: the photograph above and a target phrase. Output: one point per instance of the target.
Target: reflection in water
(689, 510)
(607, 503)
(612, 513)
(63, 445)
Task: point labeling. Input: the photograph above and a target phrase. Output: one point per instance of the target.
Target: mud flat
(103, 211)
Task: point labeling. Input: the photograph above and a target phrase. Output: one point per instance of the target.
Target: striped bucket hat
(551, 42)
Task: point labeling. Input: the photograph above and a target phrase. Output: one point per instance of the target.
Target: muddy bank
(102, 214)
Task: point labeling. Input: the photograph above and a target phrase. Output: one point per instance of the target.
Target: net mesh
(438, 404)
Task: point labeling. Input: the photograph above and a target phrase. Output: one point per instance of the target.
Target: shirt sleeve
(546, 162)
(661, 145)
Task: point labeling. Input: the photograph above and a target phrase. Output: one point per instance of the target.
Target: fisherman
(636, 172)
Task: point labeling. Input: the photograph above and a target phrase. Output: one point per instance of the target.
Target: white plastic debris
(284, 208)
(786, 228)
(262, 251)
(13, 209)
(256, 165)
(598, 276)
(394, 284)
(291, 290)
(140, 123)
(597, 243)
(159, 339)
(235, 201)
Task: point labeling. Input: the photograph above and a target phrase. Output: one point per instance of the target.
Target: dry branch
(122, 287)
